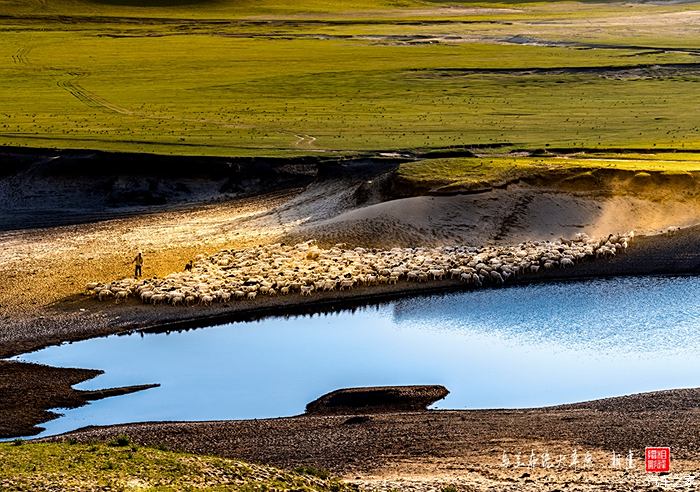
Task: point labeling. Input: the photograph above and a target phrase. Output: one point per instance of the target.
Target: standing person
(188, 267)
(138, 262)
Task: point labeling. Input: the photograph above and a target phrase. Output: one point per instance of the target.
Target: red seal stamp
(657, 460)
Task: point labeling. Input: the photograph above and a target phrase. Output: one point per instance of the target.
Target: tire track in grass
(92, 100)
(71, 84)
(87, 97)
(20, 56)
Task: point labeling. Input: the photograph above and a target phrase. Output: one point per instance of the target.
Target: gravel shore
(427, 450)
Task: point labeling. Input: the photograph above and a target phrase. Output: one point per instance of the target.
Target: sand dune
(500, 216)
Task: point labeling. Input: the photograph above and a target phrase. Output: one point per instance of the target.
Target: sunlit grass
(121, 465)
(468, 173)
(335, 78)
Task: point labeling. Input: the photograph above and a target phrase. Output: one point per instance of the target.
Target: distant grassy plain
(225, 77)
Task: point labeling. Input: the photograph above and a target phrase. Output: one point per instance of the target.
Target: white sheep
(91, 288)
(104, 294)
(307, 268)
(121, 296)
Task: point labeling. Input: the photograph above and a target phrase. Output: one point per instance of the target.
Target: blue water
(516, 347)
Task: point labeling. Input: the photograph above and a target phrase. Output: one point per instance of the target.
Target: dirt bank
(28, 391)
(378, 399)
(430, 449)
(500, 216)
(49, 187)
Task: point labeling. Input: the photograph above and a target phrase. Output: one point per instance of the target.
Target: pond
(516, 347)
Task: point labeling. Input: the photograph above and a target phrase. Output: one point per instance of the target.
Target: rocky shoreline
(429, 449)
(28, 392)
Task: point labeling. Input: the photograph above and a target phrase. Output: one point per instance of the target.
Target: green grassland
(443, 175)
(121, 466)
(225, 77)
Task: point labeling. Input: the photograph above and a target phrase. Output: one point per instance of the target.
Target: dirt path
(304, 140)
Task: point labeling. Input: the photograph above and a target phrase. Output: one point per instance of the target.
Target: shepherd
(138, 262)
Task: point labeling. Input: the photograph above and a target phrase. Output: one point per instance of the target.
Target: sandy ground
(504, 216)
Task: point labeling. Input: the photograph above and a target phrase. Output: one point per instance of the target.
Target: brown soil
(430, 449)
(28, 391)
(378, 399)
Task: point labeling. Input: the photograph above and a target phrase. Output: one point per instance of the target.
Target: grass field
(470, 173)
(122, 466)
(224, 77)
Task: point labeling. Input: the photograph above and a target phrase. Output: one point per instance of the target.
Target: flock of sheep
(305, 269)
